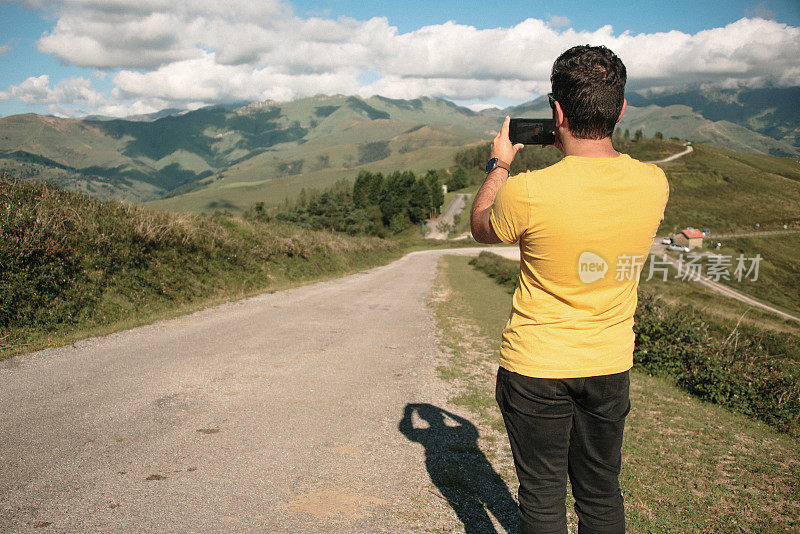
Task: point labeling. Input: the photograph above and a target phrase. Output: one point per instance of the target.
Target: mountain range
(228, 157)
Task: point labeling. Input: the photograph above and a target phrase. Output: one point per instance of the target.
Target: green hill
(685, 123)
(228, 157)
(771, 111)
(711, 187)
(725, 190)
(141, 160)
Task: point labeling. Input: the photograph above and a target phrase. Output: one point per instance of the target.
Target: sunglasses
(552, 101)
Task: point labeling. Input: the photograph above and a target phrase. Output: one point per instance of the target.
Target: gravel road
(659, 250)
(456, 206)
(278, 413)
(689, 149)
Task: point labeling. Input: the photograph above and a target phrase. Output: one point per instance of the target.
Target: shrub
(374, 151)
(504, 272)
(736, 371)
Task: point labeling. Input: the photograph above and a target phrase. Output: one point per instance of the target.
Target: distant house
(691, 237)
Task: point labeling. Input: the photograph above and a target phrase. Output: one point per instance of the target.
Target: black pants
(561, 426)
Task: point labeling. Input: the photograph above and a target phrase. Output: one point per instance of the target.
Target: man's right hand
(502, 148)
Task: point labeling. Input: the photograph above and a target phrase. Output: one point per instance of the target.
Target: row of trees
(638, 135)
(529, 160)
(374, 205)
(526, 160)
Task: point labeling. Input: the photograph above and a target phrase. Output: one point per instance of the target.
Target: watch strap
(503, 165)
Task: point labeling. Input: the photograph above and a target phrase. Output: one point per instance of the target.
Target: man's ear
(624, 105)
(559, 114)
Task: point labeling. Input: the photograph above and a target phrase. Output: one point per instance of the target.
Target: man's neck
(588, 148)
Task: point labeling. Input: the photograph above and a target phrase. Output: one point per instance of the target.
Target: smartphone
(532, 131)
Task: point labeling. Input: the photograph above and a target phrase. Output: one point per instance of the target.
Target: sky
(123, 57)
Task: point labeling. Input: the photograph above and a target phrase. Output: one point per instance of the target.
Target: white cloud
(37, 90)
(205, 80)
(206, 51)
(4, 49)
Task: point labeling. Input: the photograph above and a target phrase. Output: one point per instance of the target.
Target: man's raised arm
(504, 151)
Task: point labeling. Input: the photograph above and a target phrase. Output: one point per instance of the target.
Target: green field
(728, 191)
(723, 312)
(255, 181)
(688, 466)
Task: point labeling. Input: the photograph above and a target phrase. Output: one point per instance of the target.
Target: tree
(323, 161)
(395, 195)
(658, 135)
(638, 135)
(291, 167)
(418, 206)
(367, 189)
(458, 180)
(435, 188)
(374, 151)
(302, 198)
(627, 135)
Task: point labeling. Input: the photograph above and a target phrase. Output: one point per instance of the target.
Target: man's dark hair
(589, 83)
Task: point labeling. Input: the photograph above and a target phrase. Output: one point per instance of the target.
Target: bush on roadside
(504, 271)
(736, 371)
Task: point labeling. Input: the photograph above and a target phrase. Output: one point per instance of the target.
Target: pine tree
(419, 202)
(435, 189)
(458, 180)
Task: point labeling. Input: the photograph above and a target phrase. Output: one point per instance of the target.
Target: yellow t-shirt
(584, 226)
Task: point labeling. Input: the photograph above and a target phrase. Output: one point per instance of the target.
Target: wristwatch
(493, 163)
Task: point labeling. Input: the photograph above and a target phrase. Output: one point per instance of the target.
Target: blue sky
(78, 57)
(642, 16)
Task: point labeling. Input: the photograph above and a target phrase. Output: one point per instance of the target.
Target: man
(584, 227)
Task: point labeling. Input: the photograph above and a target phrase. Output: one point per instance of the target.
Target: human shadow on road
(460, 470)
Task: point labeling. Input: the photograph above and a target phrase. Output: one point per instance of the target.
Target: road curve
(456, 206)
(277, 413)
(673, 157)
(659, 250)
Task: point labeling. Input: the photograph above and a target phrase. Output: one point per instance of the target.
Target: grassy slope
(688, 466)
(647, 149)
(778, 282)
(76, 267)
(728, 191)
(723, 190)
(722, 311)
(68, 141)
(257, 178)
(779, 273)
(681, 121)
